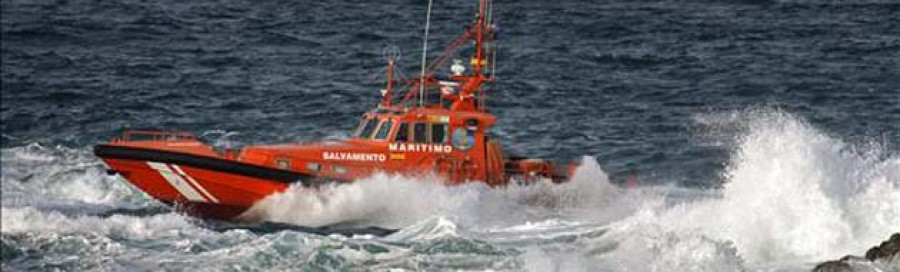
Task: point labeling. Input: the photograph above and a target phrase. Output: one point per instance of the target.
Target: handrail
(154, 135)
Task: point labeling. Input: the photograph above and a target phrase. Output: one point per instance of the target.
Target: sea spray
(780, 201)
(399, 201)
(383, 200)
(792, 195)
(791, 190)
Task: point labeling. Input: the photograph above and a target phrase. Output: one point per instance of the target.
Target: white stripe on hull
(177, 182)
(195, 183)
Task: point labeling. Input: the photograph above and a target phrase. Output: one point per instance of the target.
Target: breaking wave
(793, 196)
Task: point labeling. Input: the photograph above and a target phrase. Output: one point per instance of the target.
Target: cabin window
(368, 127)
(385, 130)
(402, 133)
(438, 133)
(419, 133)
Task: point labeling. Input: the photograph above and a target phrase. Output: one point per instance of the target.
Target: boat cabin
(453, 143)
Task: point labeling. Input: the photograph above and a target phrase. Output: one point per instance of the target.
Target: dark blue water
(677, 90)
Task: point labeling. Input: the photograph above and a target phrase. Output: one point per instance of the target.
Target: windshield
(438, 133)
(384, 130)
(402, 133)
(367, 127)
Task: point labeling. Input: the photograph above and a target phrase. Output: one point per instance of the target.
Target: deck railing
(154, 135)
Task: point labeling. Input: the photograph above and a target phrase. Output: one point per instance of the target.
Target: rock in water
(886, 253)
(888, 250)
(833, 266)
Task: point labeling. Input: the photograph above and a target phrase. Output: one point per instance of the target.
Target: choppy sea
(765, 134)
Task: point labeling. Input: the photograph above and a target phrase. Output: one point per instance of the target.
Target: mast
(424, 55)
(470, 96)
(388, 93)
(478, 62)
(485, 12)
(391, 54)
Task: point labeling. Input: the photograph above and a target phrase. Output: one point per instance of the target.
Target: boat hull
(201, 186)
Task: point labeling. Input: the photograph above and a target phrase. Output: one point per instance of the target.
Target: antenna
(391, 54)
(424, 55)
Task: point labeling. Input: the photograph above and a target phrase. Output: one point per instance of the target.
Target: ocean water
(765, 134)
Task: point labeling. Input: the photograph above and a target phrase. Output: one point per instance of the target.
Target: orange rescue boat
(414, 134)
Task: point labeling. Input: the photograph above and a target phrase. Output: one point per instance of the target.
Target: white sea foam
(35, 174)
(398, 201)
(27, 219)
(793, 195)
(384, 200)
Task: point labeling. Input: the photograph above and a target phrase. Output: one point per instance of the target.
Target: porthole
(313, 166)
(340, 170)
(283, 163)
